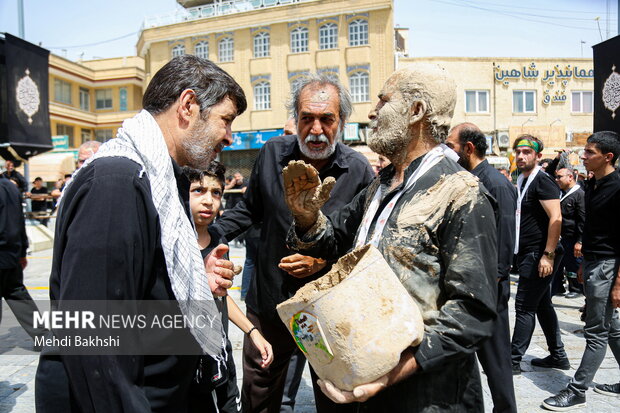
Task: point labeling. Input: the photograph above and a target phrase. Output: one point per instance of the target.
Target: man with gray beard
(321, 107)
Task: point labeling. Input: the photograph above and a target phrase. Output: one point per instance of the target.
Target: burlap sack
(354, 322)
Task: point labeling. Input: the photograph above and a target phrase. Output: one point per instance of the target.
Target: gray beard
(199, 149)
(317, 155)
(390, 147)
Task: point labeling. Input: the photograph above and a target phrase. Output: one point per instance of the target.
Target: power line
(93, 44)
(538, 8)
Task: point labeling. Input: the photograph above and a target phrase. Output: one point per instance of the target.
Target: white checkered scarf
(141, 140)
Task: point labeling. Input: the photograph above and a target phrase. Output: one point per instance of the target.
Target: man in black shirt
(11, 173)
(13, 246)
(538, 224)
(124, 232)
(470, 144)
(573, 217)
(601, 253)
(39, 204)
(321, 107)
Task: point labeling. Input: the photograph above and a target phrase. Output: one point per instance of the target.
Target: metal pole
(20, 10)
(618, 12)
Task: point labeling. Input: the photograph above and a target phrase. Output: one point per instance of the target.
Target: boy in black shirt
(538, 223)
(601, 253)
(39, 204)
(217, 377)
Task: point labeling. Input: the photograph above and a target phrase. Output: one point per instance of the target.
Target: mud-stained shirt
(440, 240)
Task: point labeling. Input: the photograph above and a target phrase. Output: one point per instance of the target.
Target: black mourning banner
(24, 112)
(607, 85)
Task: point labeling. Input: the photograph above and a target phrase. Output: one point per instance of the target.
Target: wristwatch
(549, 254)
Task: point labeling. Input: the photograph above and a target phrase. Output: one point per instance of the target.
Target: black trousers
(494, 356)
(534, 300)
(13, 290)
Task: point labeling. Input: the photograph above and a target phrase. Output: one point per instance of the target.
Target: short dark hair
(214, 170)
(532, 139)
(38, 178)
(472, 134)
(548, 160)
(210, 82)
(606, 141)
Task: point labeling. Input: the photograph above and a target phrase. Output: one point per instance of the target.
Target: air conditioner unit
(569, 136)
(503, 141)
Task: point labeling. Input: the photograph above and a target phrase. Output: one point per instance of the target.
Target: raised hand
(220, 272)
(304, 192)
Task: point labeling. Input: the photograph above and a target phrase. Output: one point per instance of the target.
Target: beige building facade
(551, 98)
(90, 99)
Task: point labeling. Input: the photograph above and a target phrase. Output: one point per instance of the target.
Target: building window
(66, 130)
(122, 99)
(62, 91)
(87, 135)
(582, 102)
(262, 96)
(225, 49)
(178, 50)
(524, 101)
(103, 99)
(476, 101)
(299, 40)
(202, 50)
(84, 99)
(358, 32)
(261, 45)
(103, 135)
(358, 85)
(328, 36)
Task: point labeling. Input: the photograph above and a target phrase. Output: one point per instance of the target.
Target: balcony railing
(218, 8)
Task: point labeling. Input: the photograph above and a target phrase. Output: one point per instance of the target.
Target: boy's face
(205, 199)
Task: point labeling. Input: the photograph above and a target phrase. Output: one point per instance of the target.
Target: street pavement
(18, 362)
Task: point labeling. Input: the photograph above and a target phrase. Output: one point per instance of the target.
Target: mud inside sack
(354, 322)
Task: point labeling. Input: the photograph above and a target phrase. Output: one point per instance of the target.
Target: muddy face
(389, 122)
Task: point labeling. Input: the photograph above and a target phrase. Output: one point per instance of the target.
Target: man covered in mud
(434, 224)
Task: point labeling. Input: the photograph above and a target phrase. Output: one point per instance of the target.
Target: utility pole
(20, 11)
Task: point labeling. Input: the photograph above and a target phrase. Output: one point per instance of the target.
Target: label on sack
(308, 333)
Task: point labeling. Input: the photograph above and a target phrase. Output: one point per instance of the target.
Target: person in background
(205, 199)
(468, 141)
(87, 150)
(39, 204)
(11, 173)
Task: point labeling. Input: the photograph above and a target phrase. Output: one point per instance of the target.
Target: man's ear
(609, 156)
(187, 104)
(470, 148)
(417, 111)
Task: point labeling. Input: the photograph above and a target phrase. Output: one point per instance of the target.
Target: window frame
(581, 93)
(262, 101)
(328, 36)
(229, 43)
(299, 38)
(358, 37)
(63, 91)
(198, 49)
(357, 95)
(177, 50)
(104, 139)
(261, 42)
(70, 129)
(104, 100)
(523, 92)
(84, 92)
(477, 101)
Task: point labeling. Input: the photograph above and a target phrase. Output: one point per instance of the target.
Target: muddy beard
(390, 141)
(318, 155)
(199, 146)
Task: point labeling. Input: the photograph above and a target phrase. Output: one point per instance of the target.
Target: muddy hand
(304, 192)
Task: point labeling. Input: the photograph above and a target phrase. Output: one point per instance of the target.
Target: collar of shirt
(290, 152)
(387, 174)
(614, 176)
(480, 167)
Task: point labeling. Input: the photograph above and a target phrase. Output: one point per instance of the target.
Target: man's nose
(317, 128)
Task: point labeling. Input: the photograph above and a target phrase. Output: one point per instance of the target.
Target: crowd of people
(143, 219)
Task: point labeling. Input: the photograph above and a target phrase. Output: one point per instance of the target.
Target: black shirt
(107, 246)
(601, 234)
(534, 219)
(39, 205)
(13, 239)
(263, 202)
(573, 215)
(21, 181)
(505, 195)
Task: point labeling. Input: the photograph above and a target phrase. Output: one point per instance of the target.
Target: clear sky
(519, 28)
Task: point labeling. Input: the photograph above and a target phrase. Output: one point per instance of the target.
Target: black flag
(607, 85)
(24, 100)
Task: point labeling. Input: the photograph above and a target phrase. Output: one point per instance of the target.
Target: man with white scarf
(124, 232)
